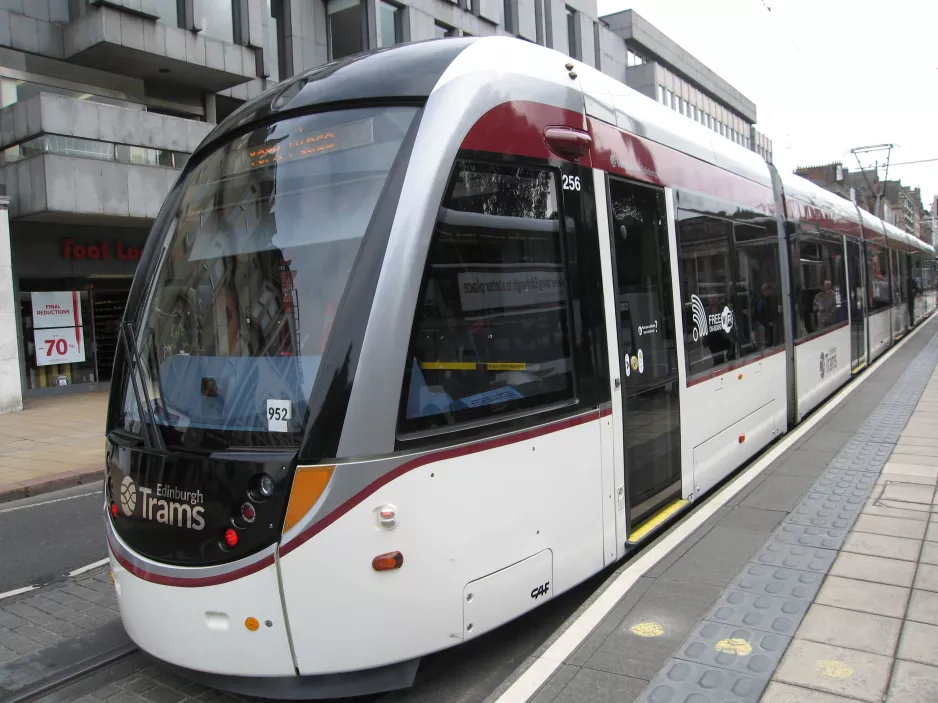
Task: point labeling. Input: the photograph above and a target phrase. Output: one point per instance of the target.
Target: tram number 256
(571, 182)
(539, 591)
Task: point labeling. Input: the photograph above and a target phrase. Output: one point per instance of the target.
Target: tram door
(857, 306)
(647, 348)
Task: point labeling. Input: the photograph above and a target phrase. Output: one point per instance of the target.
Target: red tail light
(114, 509)
(231, 537)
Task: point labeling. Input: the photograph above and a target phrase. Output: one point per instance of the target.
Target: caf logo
(128, 496)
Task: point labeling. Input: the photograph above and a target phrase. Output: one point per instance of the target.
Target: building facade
(103, 101)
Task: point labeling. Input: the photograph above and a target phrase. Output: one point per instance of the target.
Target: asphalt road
(42, 539)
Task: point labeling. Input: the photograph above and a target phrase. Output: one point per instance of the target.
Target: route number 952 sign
(59, 346)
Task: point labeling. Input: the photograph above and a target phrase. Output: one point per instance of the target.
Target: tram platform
(817, 582)
(810, 576)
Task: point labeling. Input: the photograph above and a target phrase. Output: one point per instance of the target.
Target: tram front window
(255, 262)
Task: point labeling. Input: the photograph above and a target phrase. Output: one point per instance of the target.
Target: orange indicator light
(742, 438)
(387, 562)
(252, 624)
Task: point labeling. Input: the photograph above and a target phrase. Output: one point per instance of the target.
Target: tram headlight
(248, 513)
(265, 486)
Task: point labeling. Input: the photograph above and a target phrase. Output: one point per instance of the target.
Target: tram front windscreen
(252, 267)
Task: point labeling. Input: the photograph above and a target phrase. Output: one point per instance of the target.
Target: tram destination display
(302, 145)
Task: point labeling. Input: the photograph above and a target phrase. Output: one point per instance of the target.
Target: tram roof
(400, 73)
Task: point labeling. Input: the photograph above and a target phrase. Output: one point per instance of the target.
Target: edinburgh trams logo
(171, 506)
(704, 324)
(828, 361)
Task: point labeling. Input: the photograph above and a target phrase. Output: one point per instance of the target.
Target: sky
(825, 75)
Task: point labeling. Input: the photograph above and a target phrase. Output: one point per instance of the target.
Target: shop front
(71, 283)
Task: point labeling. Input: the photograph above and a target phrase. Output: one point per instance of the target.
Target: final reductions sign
(57, 328)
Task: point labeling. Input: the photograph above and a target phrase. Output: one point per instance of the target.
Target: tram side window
(877, 277)
(492, 333)
(757, 310)
(706, 291)
(819, 285)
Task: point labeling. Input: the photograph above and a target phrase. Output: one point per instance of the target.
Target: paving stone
(550, 690)
(877, 569)
(715, 558)
(894, 527)
(865, 596)
(10, 621)
(759, 612)
(848, 628)
(600, 686)
(7, 654)
(38, 635)
(19, 644)
(882, 545)
(900, 458)
(679, 680)
(741, 649)
(778, 492)
(909, 493)
(931, 534)
(779, 582)
(923, 607)
(926, 578)
(913, 683)
(138, 684)
(29, 613)
(778, 692)
(885, 478)
(162, 694)
(793, 556)
(806, 536)
(856, 477)
(919, 643)
(837, 670)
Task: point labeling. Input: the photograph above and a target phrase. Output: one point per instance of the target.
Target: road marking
(545, 665)
(49, 502)
(89, 567)
(17, 591)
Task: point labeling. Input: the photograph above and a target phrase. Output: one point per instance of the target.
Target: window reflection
(217, 19)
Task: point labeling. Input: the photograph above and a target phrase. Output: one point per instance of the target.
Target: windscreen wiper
(151, 434)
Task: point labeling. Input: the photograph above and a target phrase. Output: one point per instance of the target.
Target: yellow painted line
(833, 668)
(655, 520)
(859, 368)
(472, 366)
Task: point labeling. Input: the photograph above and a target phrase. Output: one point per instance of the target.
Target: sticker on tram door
(539, 591)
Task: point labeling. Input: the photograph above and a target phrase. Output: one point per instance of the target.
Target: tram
(425, 337)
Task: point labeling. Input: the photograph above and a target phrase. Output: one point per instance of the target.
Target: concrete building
(103, 101)
(660, 69)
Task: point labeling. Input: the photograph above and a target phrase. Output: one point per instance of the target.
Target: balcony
(68, 160)
(112, 40)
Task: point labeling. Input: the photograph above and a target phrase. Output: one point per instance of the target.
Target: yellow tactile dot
(734, 645)
(834, 669)
(647, 629)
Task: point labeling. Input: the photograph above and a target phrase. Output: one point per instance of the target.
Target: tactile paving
(682, 681)
(741, 649)
(795, 556)
(733, 651)
(806, 536)
(823, 510)
(780, 616)
(778, 581)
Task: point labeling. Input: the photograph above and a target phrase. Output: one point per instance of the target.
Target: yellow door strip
(655, 520)
(472, 366)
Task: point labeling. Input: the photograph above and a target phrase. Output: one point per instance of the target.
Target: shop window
(706, 291)
(492, 331)
(820, 289)
(58, 341)
(877, 277)
(392, 24)
(757, 304)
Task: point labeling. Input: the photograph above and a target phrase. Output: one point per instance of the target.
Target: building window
(168, 10)
(392, 24)
(674, 100)
(218, 19)
(347, 27)
(480, 331)
(275, 42)
(661, 94)
(510, 9)
(441, 31)
(573, 46)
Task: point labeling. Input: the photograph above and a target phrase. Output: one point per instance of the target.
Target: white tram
(425, 337)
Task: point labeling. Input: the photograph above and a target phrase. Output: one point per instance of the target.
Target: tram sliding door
(647, 348)
(857, 306)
